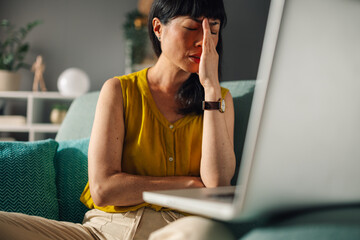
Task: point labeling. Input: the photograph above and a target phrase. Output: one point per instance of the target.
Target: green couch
(46, 178)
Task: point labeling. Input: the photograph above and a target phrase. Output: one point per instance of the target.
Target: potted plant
(58, 113)
(136, 35)
(13, 50)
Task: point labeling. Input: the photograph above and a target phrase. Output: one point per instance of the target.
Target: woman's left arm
(218, 158)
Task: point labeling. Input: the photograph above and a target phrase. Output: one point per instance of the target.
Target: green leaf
(23, 32)
(8, 59)
(33, 24)
(5, 23)
(12, 48)
(23, 48)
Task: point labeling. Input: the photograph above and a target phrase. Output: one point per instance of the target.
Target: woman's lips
(195, 58)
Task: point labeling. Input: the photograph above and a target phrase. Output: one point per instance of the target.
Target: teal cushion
(27, 178)
(71, 178)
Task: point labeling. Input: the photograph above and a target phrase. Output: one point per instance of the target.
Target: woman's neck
(165, 76)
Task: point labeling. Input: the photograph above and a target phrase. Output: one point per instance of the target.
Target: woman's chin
(192, 68)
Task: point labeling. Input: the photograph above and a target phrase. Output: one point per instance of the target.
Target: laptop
(302, 146)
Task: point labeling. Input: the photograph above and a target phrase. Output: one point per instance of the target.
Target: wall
(88, 34)
(243, 37)
(83, 33)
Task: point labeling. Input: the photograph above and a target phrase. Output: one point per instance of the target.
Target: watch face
(222, 105)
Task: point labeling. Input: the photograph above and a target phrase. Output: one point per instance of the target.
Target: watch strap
(207, 105)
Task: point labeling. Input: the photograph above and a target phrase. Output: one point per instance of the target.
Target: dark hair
(191, 93)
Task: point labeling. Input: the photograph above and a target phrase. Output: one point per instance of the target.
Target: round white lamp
(73, 82)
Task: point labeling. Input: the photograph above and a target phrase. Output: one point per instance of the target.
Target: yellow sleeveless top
(152, 145)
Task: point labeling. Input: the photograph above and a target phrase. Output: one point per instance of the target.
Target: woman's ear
(157, 27)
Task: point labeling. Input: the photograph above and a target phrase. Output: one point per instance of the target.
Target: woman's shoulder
(126, 86)
(133, 77)
(111, 84)
(133, 83)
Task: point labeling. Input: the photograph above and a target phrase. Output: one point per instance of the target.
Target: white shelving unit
(38, 107)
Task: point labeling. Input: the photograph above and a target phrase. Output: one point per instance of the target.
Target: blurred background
(91, 35)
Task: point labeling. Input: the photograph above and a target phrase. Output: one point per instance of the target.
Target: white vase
(9, 81)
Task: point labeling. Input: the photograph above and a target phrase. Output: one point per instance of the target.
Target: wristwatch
(218, 105)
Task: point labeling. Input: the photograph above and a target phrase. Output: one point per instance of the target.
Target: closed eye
(214, 25)
(194, 29)
(191, 29)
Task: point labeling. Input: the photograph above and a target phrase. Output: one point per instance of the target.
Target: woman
(150, 131)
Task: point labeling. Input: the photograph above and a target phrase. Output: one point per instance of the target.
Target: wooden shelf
(40, 95)
(38, 106)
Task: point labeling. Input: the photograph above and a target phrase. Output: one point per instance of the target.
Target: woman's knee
(193, 228)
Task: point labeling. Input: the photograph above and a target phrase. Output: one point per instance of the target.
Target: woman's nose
(199, 39)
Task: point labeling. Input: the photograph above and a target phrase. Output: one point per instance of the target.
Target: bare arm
(108, 184)
(218, 157)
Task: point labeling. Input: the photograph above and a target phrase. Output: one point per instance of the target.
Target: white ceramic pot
(9, 81)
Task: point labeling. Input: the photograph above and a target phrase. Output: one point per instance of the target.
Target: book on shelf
(16, 120)
(7, 139)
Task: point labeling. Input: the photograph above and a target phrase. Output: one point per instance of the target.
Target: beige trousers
(144, 223)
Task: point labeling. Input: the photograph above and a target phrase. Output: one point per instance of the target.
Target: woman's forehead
(198, 19)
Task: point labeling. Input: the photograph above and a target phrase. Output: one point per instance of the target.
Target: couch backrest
(79, 119)
(242, 92)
